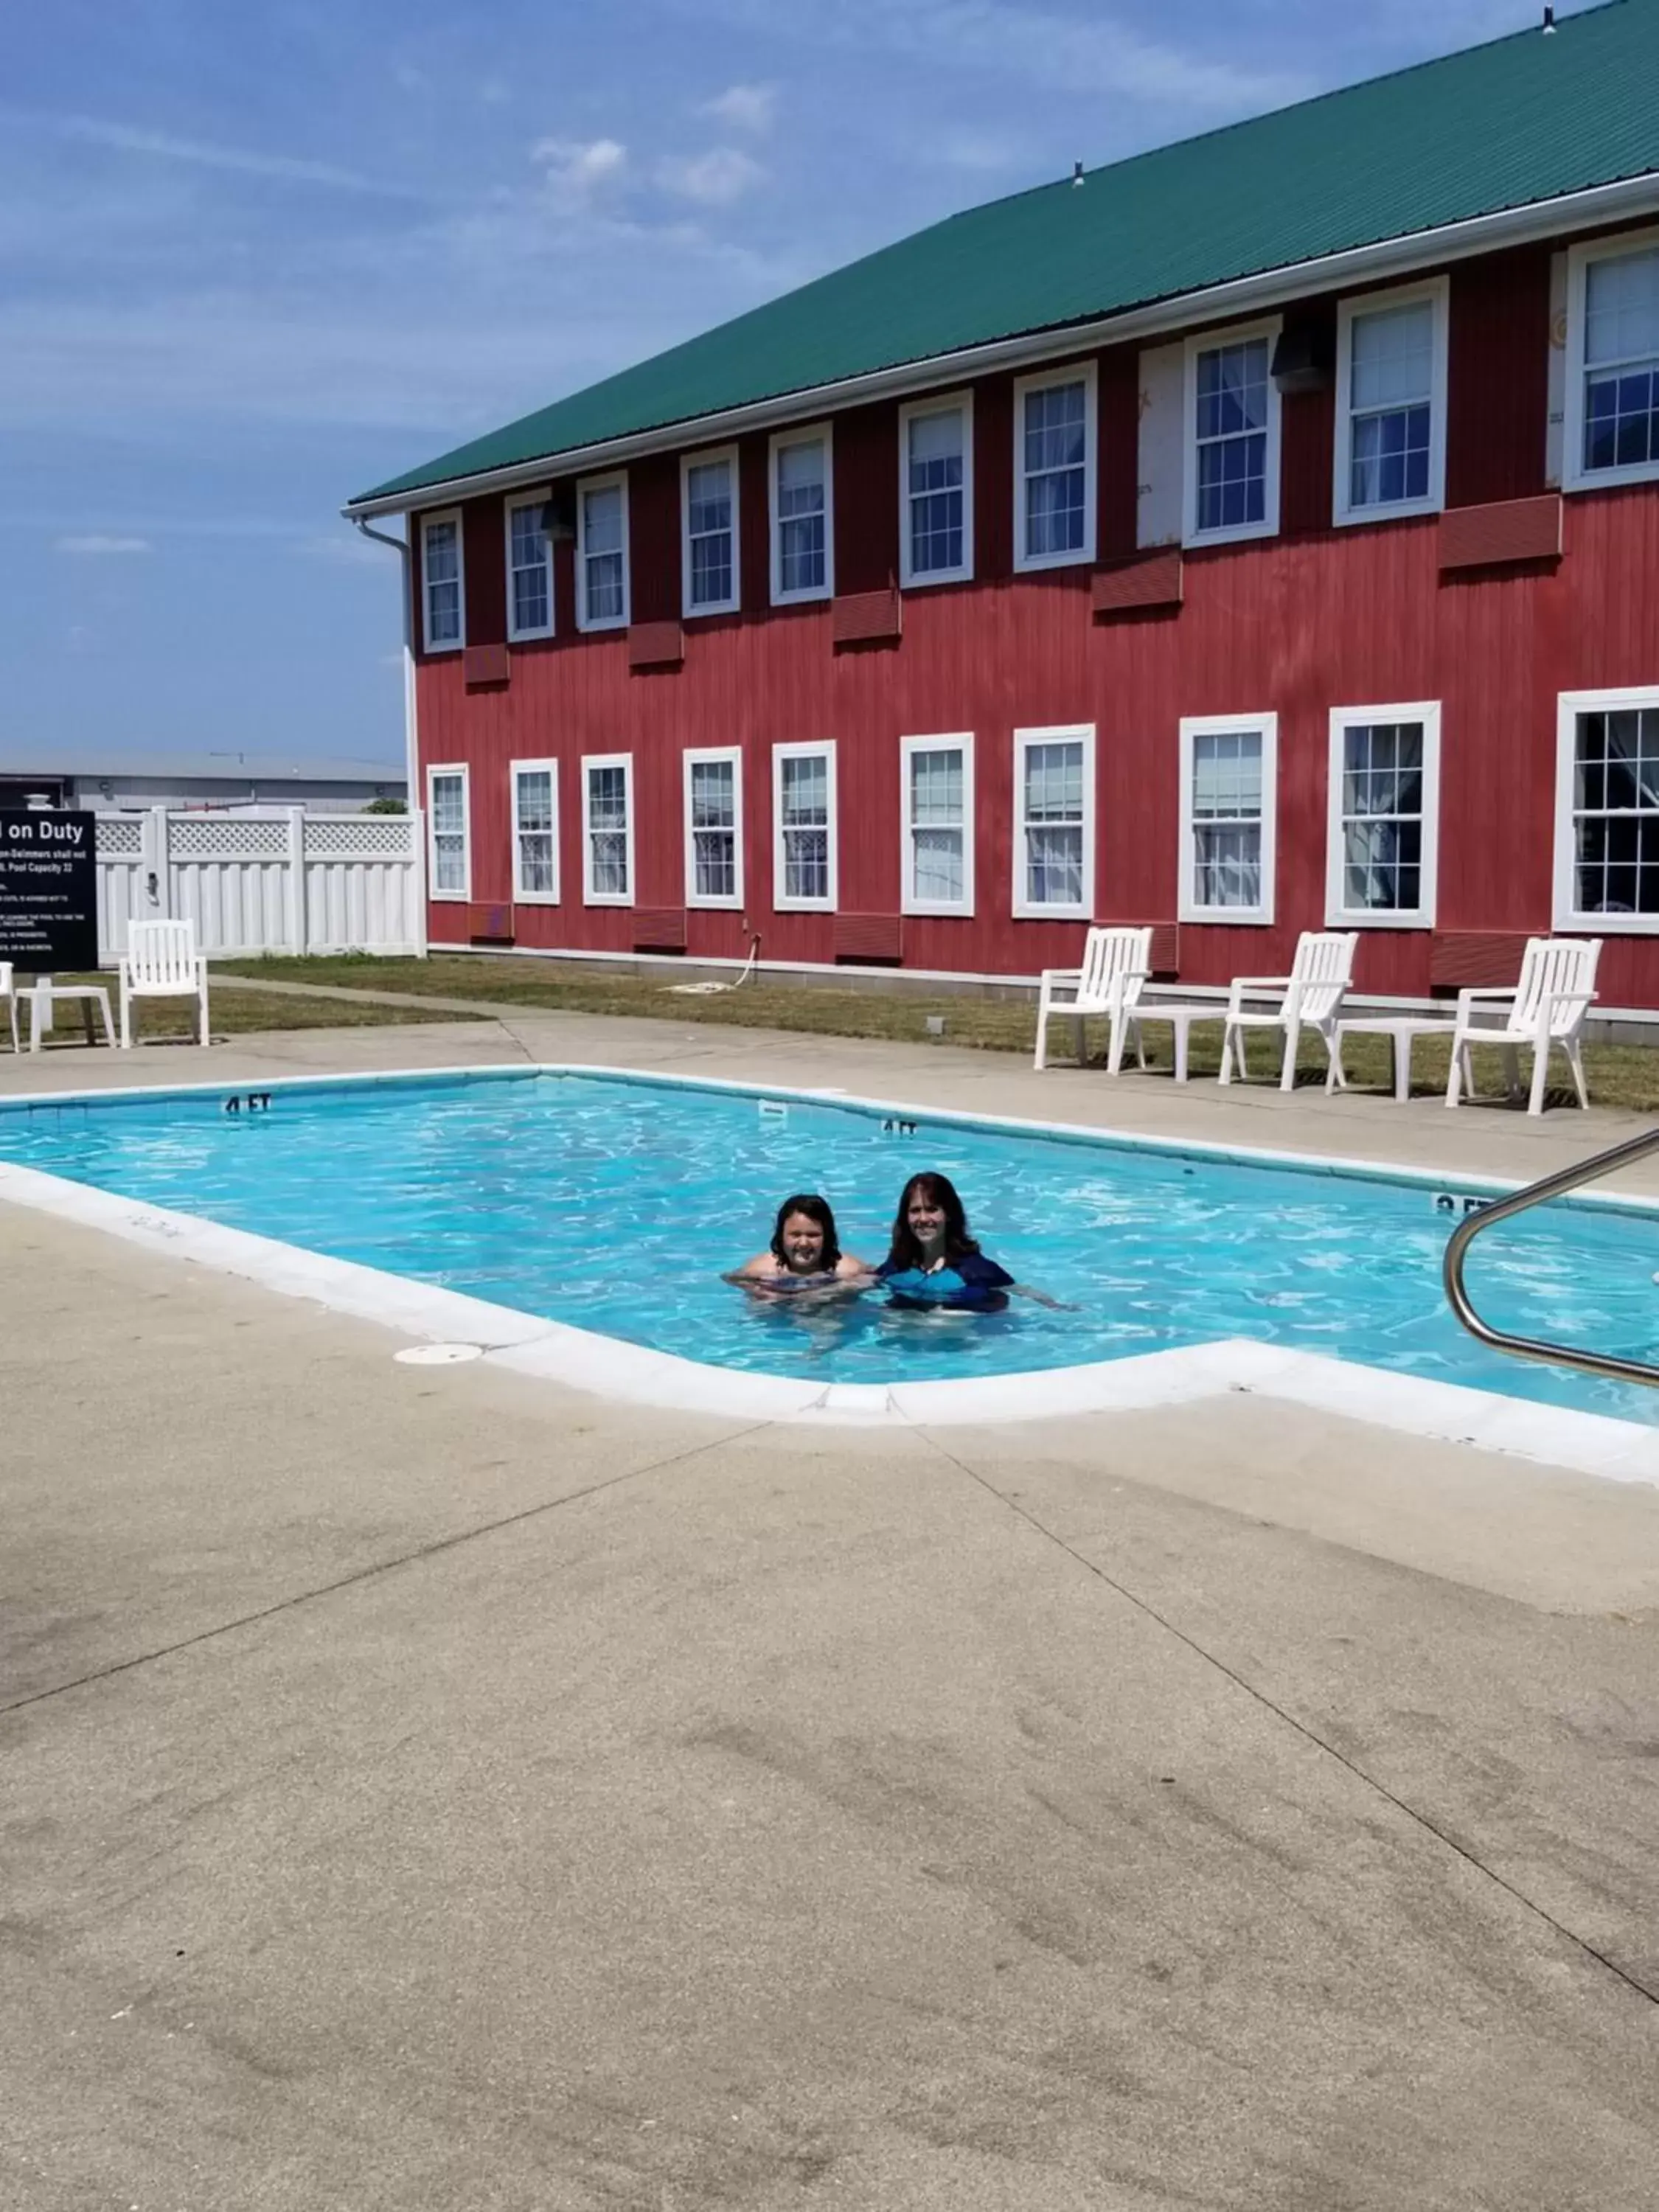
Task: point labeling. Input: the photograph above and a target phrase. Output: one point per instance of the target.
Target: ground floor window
(449, 854)
(1229, 776)
(804, 803)
(535, 831)
(1384, 809)
(937, 800)
(608, 829)
(1054, 833)
(714, 828)
(1606, 874)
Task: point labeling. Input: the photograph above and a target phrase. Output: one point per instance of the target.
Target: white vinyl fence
(278, 881)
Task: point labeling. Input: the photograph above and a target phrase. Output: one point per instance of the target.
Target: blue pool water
(616, 1204)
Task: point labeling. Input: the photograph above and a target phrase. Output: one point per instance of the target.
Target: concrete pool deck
(435, 1788)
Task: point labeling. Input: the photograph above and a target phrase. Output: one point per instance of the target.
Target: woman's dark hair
(939, 1191)
(815, 1209)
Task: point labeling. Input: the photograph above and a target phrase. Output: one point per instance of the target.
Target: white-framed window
(1611, 428)
(1055, 466)
(602, 552)
(1229, 805)
(804, 871)
(937, 803)
(1606, 811)
(1231, 465)
(448, 833)
(935, 491)
(607, 830)
(714, 827)
(535, 832)
(1383, 838)
(803, 497)
(529, 567)
(443, 583)
(708, 532)
(1391, 404)
(1055, 822)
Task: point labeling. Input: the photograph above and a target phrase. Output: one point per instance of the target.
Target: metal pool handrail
(1520, 1202)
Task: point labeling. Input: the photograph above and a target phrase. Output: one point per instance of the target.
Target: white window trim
(1569, 705)
(1268, 328)
(448, 767)
(586, 484)
(510, 507)
(590, 896)
(781, 902)
(1081, 373)
(734, 755)
(1024, 909)
(1437, 293)
(960, 741)
(1337, 915)
(1186, 906)
(802, 436)
(449, 644)
(936, 404)
(730, 605)
(550, 768)
(1575, 477)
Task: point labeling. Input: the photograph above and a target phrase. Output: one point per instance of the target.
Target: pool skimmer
(437, 1355)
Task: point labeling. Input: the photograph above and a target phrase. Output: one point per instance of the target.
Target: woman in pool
(804, 1251)
(934, 1264)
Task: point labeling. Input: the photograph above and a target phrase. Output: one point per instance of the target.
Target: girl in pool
(934, 1264)
(804, 1253)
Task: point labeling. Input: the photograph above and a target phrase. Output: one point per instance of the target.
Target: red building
(1257, 534)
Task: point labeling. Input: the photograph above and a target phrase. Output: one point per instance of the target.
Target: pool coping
(605, 1366)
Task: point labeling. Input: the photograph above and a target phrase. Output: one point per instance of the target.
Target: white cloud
(95, 542)
(125, 138)
(715, 178)
(578, 168)
(745, 107)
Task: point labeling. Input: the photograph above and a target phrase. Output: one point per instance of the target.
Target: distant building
(213, 783)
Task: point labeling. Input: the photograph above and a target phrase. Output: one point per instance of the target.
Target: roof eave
(1455, 241)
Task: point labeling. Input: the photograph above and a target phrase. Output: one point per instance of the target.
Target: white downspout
(411, 731)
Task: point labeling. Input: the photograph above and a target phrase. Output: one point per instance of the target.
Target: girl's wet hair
(938, 1190)
(815, 1209)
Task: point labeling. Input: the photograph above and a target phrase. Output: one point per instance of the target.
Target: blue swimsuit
(971, 1284)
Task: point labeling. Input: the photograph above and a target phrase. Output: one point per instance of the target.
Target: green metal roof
(1523, 120)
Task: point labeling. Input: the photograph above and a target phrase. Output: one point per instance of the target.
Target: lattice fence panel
(361, 836)
(226, 837)
(120, 836)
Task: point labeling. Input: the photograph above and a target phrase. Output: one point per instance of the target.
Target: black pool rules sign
(48, 890)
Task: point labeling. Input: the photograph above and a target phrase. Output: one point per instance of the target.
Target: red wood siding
(1498, 377)
(653, 540)
(866, 497)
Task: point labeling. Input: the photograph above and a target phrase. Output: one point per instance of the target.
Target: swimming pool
(613, 1204)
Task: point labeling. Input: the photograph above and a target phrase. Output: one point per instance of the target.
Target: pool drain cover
(438, 1355)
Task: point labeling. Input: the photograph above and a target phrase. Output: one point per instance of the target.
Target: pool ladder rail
(1520, 1201)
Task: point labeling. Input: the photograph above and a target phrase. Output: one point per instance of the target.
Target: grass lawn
(1619, 1075)
(233, 1010)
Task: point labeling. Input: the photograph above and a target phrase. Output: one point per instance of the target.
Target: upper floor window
(803, 524)
(529, 568)
(939, 824)
(935, 491)
(1385, 817)
(602, 553)
(1054, 829)
(442, 584)
(1391, 411)
(1228, 779)
(1613, 362)
(449, 844)
(1232, 438)
(1054, 468)
(714, 828)
(535, 831)
(608, 829)
(1607, 823)
(708, 507)
(803, 852)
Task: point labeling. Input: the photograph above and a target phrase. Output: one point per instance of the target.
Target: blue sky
(253, 261)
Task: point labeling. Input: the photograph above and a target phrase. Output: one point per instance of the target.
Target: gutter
(1240, 295)
(416, 799)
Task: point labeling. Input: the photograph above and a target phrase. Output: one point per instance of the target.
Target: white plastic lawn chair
(1309, 998)
(1115, 965)
(9, 992)
(1546, 1007)
(162, 962)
